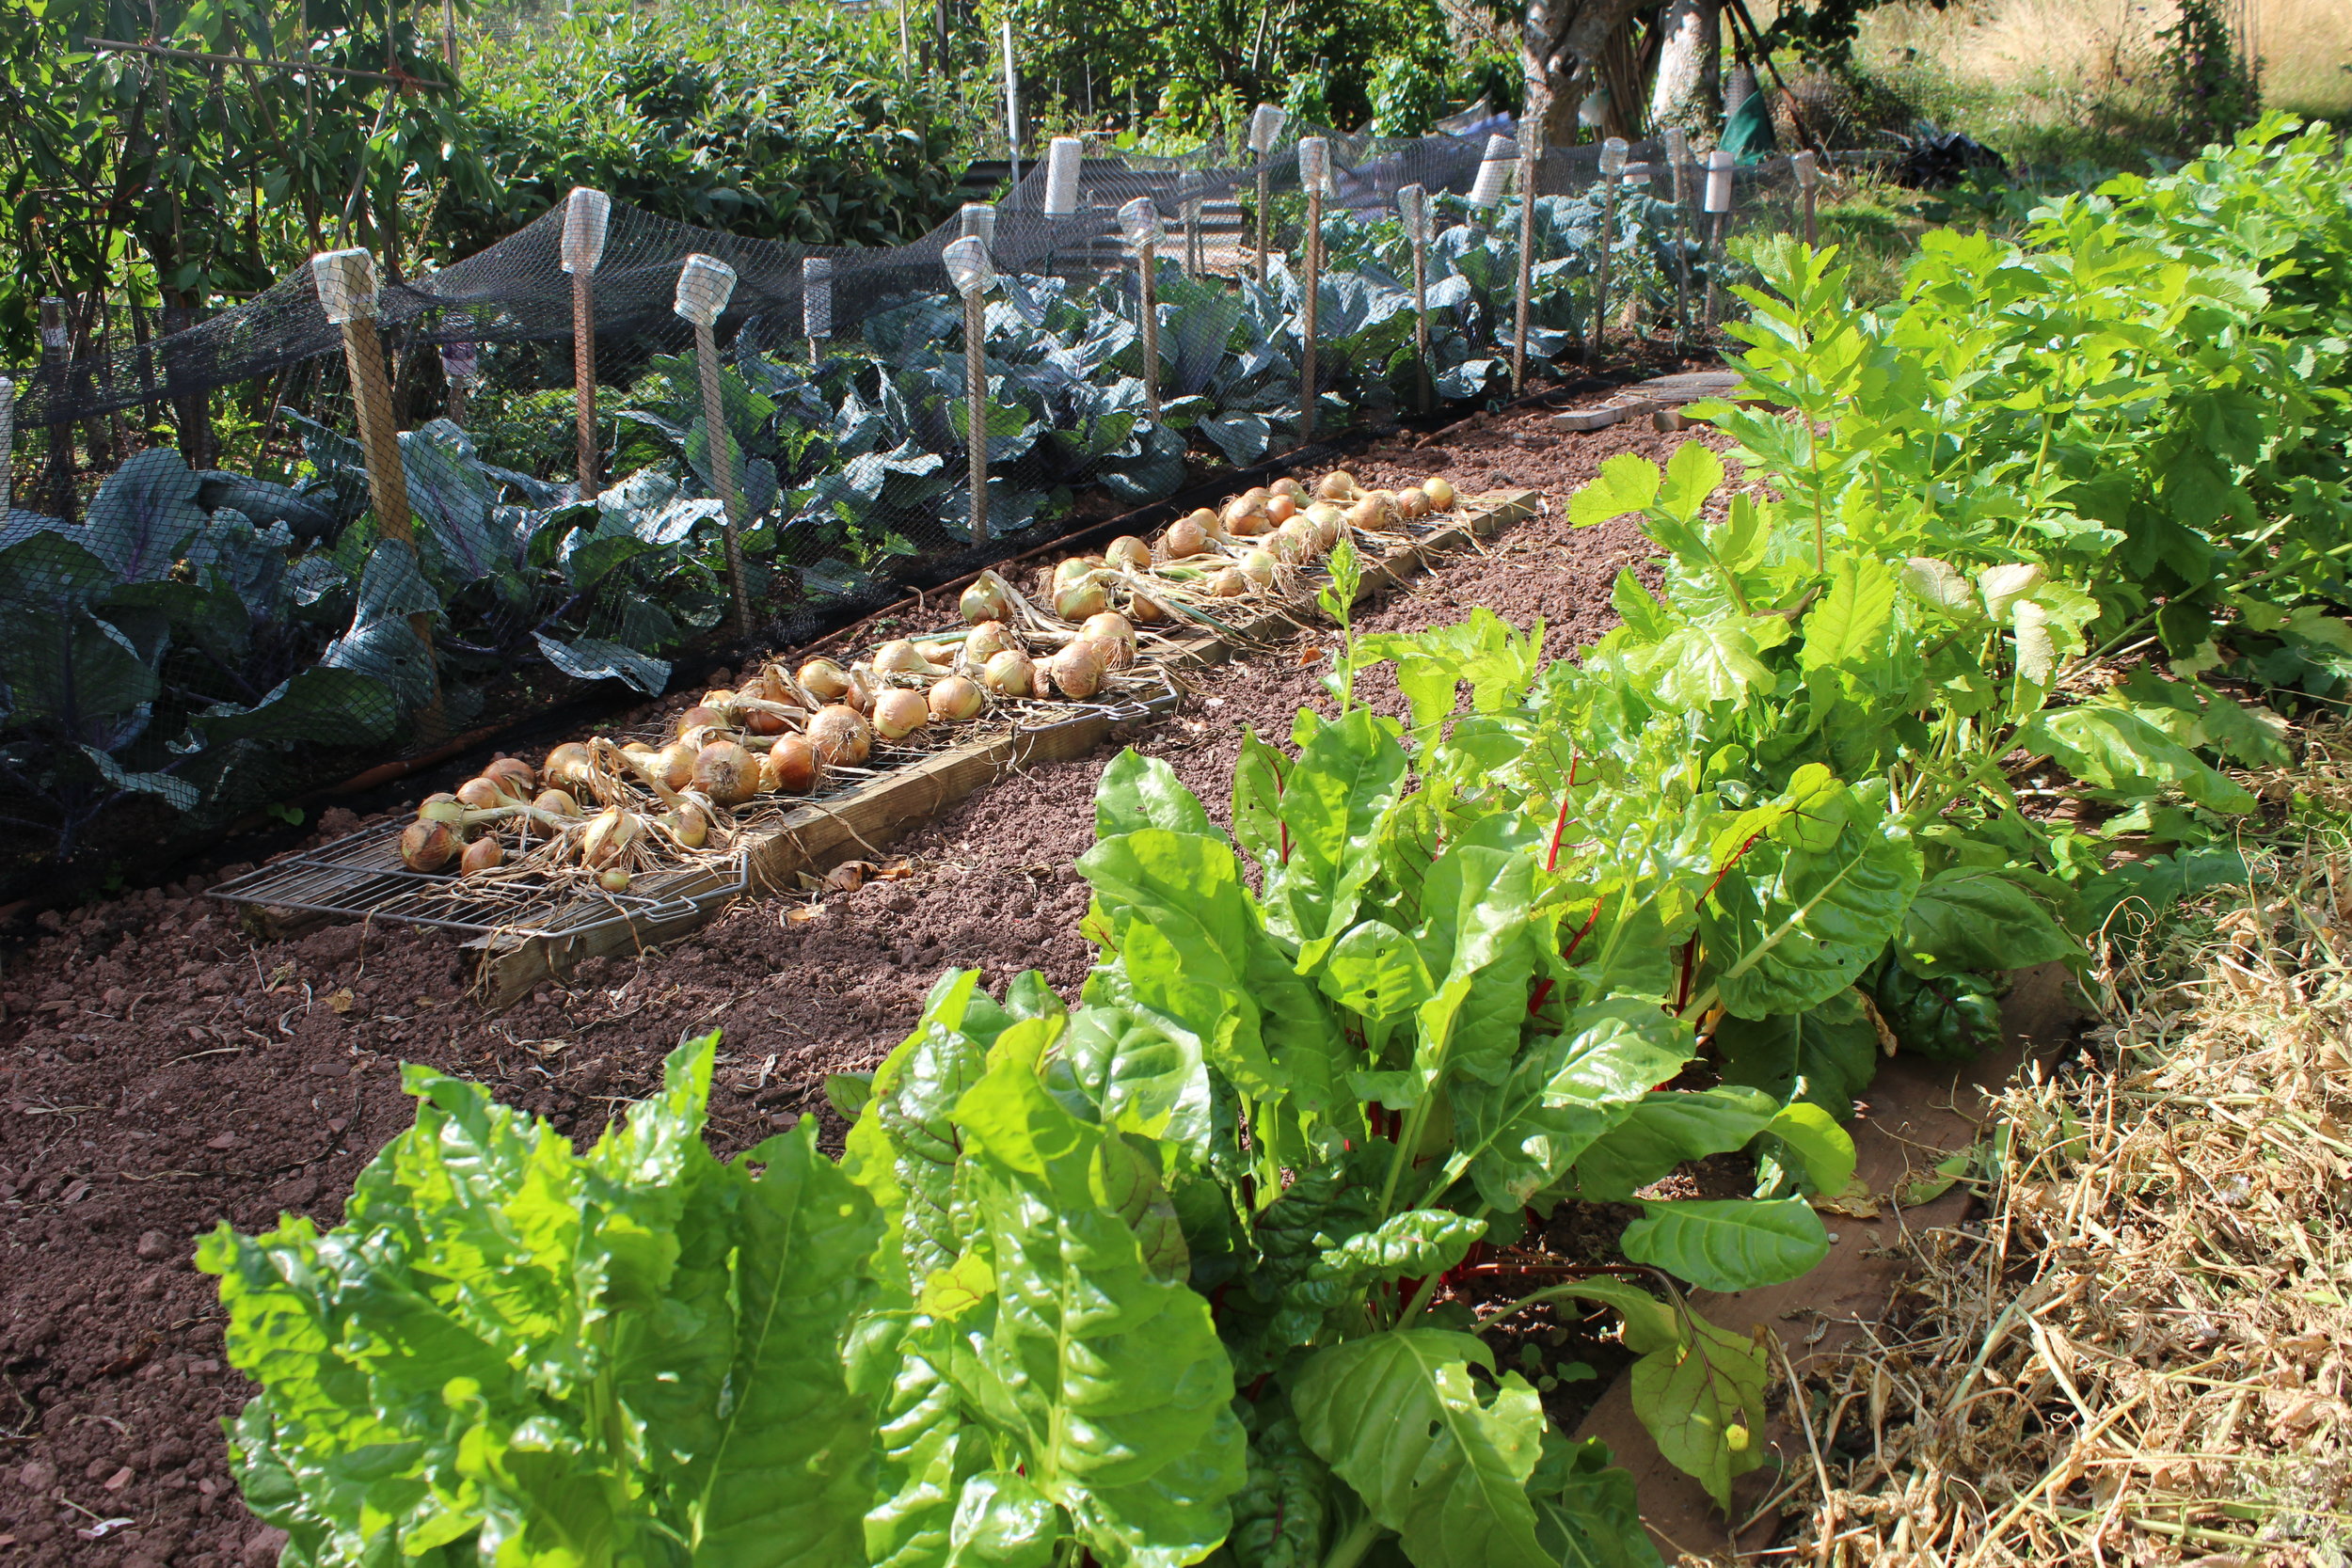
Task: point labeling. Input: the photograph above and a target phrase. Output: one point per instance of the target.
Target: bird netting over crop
(212, 641)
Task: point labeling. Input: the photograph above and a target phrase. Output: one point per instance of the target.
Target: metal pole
(586, 215)
(971, 272)
(1612, 153)
(345, 281)
(1012, 108)
(60, 454)
(1719, 209)
(1531, 166)
(704, 284)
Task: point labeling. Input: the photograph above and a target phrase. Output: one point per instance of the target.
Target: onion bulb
(760, 721)
(689, 825)
(444, 808)
(1296, 539)
(1244, 518)
(1257, 495)
(1010, 674)
(989, 598)
(1337, 485)
(1328, 520)
(553, 802)
(428, 846)
(772, 687)
(825, 680)
(1412, 503)
(608, 837)
(1364, 513)
(1111, 624)
(985, 641)
(790, 767)
(613, 878)
(1259, 568)
(1384, 505)
(1280, 509)
(701, 717)
(862, 689)
(675, 765)
(1129, 554)
(1076, 600)
(1210, 523)
(1183, 539)
(1291, 487)
(955, 700)
(516, 776)
(482, 794)
(568, 765)
(1146, 610)
(899, 713)
(1073, 569)
(1440, 492)
(1226, 582)
(900, 657)
(725, 772)
(841, 735)
(1077, 670)
(483, 854)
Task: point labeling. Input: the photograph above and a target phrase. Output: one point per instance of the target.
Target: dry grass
(2139, 1354)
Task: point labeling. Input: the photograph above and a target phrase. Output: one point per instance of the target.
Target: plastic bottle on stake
(1412, 212)
(586, 215)
(1678, 168)
(1265, 129)
(8, 440)
(1718, 203)
(704, 284)
(1613, 160)
(978, 221)
(1530, 168)
(1314, 177)
(1807, 169)
(971, 272)
(1494, 171)
(1139, 222)
(1062, 161)
(816, 302)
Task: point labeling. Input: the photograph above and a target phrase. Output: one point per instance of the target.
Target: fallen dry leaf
(800, 914)
(1310, 655)
(341, 1000)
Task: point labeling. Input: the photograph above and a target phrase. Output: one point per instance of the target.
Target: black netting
(196, 639)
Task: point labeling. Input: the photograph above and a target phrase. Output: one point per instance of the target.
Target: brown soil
(160, 1073)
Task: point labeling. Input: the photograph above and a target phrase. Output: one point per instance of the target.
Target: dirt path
(159, 1073)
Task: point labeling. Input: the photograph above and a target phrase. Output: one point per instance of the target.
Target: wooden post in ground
(7, 443)
(1531, 170)
(1678, 167)
(971, 272)
(1140, 220)
(1807, 169)
(1188, 200)
(586, 214)
(1265, 129)
(53, 334)
(1412, 211)
(816, 302)
(345, 281)
(1314, 177)
(1612, 153)
(1494, 173)
(704, 284)
(1719, 211)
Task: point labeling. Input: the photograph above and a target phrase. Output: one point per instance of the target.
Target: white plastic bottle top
(979, 222)
(347, 284)
(968, 267)
(1718, 182)
(1612, 153)
(1265, 128)
(585, 214)
(1139, 221)
(1492, 171)
(1061, 176)
(815, 298)
(1412, 210)
(1315, 166)
(704, 284)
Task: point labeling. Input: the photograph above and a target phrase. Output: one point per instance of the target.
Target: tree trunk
(1561, 43)
(1688, 93)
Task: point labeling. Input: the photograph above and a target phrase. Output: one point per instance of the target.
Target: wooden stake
(971, 272)
(7, 443)
(1531, 166)
(1314, 173)
(1265, 129)
(345, 281)
(586, 214)
(1412, 211)
(1807, 169)
(1678, 155)
(53, 344)
(1719, 209)
(1140, 220)
(1612, 153)
(704, 284)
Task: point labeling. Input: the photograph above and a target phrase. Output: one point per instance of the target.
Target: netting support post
(1613, 160)
(1679, 155)
(8, 444)
(53, 344)
(1147, 269)
(1265, 129)
(1718, 202)
(704, 284)
(976, 406)
(586, 214)
(1421, 321)
(1311, 286)
(1807, 169)
(345, 281)
(1531, 166)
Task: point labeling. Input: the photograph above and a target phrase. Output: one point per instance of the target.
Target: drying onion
(955, 700)
(899, 714)
(608, 837)
(985, 641)
(1010, 674)
(1184, 539)
(863, 686)
(1328, 520)
(1129, 554)
(1337, 485)
(1364, 513)
(1259, 568)
(1291, 487)
(1146, 610)
(483, 854)
(1440, 492)
(1257, 495)
(841, 736)
(613, 878)
(1076, 600)
(553, 802)
(1281, 509)
(1384, 506)
(826, 681)
(516, 776)
(790, 767)
(568, 765)
(760, 721)
(701, 717)
(900, 657)
(1111, 624)
(1074, 568)
(1412, 503)
(773, 686)
(1226, 582)
(482, 794)
(428, 846)
(445, 808)
(725, 772)
(1244, 517)
(1210, 523)
(675, 765)
(689, 825)
(1077, 670)
(989, 598)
